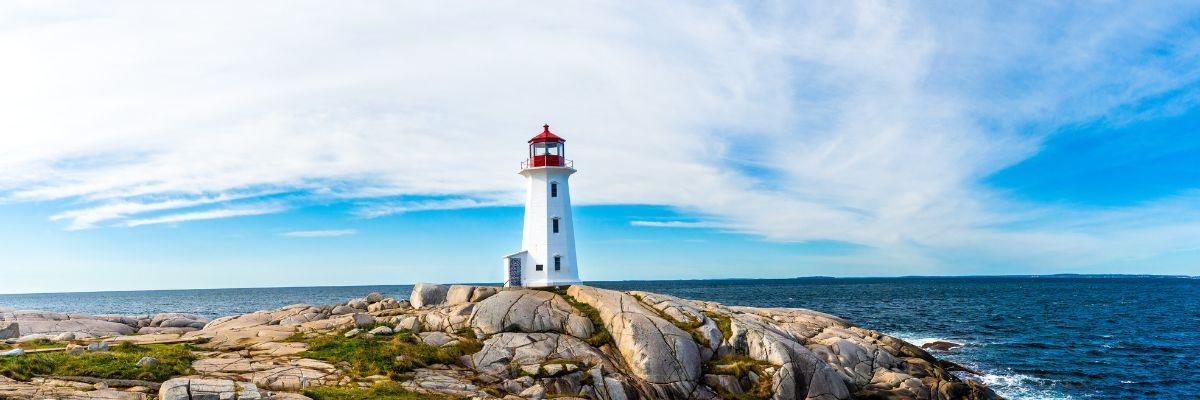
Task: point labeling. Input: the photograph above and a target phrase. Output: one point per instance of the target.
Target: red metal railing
(547, 161)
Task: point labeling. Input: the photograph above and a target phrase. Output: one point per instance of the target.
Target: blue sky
(219, 145)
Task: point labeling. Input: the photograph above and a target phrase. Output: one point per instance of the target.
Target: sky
(155, 145)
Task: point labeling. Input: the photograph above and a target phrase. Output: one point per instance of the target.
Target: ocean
(1031, 337)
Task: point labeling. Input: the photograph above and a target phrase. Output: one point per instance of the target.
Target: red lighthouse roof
(546, 136)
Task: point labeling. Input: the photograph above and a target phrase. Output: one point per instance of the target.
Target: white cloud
(203, 215)
(870, 123)
(399, 207)
(322, 233)
(674, 224)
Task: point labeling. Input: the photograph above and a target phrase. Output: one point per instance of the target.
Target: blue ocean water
(1031, 337)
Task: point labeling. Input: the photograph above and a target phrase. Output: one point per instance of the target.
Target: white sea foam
(1012, 386)
(1022, 387)
(919, 340)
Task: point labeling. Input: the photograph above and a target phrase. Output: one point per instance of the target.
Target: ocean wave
(1022, 387)
(920, 340)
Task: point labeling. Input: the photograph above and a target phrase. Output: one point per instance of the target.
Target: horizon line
(811, 277)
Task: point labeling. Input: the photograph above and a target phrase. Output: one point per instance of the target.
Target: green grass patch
(389, 355)
(600, 335)
(740, 365)
(381, 391)
(118, 363)
(41, 344)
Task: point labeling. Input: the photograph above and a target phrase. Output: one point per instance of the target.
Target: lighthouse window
(554, 224)
(557, 263)
(539, 267)
(553, 189)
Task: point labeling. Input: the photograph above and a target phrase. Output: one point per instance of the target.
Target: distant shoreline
(799, 278)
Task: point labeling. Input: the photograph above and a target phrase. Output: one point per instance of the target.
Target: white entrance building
(547, 256)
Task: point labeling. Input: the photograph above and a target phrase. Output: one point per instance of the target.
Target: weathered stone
(435, 339)
(233, 339)
(381, 330)
(658, 353)
(374, 297)
(529, 311)
(178, 320)
(277, 349)
(383, 305)
(802, 374)
(12, 353)
(95, 347)
(504, 353)
(92, 327)
(74, 349)
(444, 382)
(147, 362)
(683, 311)
(724, 384)
(940, 345)
(534, 392)
(342, 310)
(409, 323)
(426, 295)
(352, 333)
(9, 329)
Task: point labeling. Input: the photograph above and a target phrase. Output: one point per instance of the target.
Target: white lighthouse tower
(547, 256)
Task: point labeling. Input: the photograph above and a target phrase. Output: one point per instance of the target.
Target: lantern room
(546, 150)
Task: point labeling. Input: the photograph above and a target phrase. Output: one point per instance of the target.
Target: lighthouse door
(514, 271)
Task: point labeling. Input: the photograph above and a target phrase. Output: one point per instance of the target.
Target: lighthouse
(547, 256)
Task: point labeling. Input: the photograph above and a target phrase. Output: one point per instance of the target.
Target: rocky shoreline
(476, 342)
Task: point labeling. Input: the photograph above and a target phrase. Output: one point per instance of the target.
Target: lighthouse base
(521, 270)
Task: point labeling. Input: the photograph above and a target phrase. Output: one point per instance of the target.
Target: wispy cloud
(674, 224)
(399, 207)
(204, 215)
(321, 233)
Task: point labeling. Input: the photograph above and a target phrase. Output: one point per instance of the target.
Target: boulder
(385, 304)
(207, 389)
(435, 339)
(12, 353)
(352, 333)
(659, 354)
(534, 392)
(459, 294)
(93, 327)
(425, 295)
(504, 354)
(357, 304)
(940, 345)
(97, 347)
(74, 349)
(374, 297)
(447, 319)
(802, 374)
(9, 329)
(147, 362)
(343, 310)
(410, 323)
(178, 320)
(529, 311)
(724, 384)
(381, 330)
